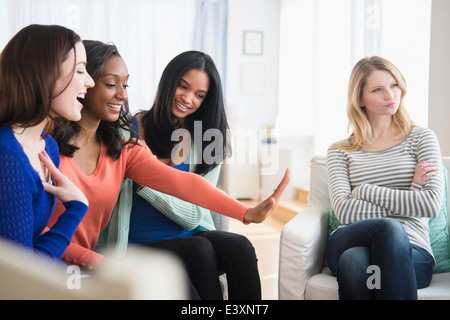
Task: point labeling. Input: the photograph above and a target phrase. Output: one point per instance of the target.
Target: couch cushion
(318, 194)
(439, 236)
(438, 288)
(322, 286)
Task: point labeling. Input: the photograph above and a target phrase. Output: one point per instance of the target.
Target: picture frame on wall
(253, 42)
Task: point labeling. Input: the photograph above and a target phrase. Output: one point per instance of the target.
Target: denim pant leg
(390, 251)
(352, 274)
(423, 265)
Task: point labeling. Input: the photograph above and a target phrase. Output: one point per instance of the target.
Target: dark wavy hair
(158, 122)
(98, 53)
(30, 64)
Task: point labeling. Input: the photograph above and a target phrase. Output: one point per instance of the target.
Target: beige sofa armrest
(143, 274)
(302, 251)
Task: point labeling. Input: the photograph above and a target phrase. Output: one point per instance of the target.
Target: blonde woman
(385, 183)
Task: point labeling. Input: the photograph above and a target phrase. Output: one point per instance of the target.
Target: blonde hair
(358, 122)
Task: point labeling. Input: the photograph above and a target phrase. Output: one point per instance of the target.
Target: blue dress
(26, 208)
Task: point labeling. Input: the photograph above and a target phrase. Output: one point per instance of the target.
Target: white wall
(253, 110)
(439, 106)
(251, 91)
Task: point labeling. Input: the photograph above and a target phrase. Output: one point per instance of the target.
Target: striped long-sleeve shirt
(364, 184)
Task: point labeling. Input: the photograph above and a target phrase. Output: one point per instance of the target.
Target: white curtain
(321, 40)
(210, 34)
(148, 33)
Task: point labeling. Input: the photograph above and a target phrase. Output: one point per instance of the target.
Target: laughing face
(190, 93)
(106, 99)
(71, 85)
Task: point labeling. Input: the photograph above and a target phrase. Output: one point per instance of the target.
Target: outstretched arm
(144, 168)
(262, 211)
(184, 213)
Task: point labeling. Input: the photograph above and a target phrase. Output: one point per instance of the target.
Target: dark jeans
(208, 253)
(381, 243)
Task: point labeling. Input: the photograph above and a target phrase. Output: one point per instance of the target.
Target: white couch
(142, 275)
(302, 274)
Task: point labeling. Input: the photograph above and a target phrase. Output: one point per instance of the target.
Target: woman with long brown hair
(42, 75)
(97, 159)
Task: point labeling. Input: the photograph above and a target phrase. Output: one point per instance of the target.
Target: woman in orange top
(96, 158)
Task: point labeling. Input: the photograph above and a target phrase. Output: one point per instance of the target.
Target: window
(320, 42)
(148, 34)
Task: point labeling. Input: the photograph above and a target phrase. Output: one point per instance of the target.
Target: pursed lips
(392, 104)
